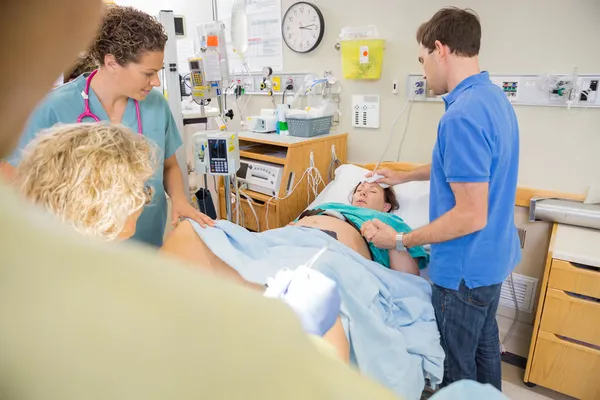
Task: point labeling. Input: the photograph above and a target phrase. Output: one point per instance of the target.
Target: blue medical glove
(312, 296)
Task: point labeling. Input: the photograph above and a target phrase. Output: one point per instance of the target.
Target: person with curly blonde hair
(129, 52)
(91, 176)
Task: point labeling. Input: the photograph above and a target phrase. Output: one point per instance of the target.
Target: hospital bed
(387, 315)
(409, 353)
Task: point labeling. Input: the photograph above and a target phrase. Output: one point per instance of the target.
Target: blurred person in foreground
(83, 319)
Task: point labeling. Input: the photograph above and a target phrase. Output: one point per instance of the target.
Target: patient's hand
(292, 223)
(380, 234)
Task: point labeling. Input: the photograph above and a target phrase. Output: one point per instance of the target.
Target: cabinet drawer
(572, 278)
(566, 367)
(248, 219)
(572, 317)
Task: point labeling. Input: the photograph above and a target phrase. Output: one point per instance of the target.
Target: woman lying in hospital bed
(387, 327)
(337, 221)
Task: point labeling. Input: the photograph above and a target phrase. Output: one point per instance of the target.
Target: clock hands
(307, 27)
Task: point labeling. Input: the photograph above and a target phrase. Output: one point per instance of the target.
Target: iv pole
(226, 178)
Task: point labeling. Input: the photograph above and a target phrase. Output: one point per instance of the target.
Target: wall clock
(303, 27)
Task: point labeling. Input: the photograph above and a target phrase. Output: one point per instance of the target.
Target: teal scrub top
(64, 105)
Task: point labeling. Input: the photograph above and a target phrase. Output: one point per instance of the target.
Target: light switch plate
(365, 111)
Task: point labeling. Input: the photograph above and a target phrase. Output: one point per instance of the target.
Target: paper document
(185, 50)
(265, 43)
(212, 67)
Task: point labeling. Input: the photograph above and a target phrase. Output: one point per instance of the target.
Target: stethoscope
(87, 112)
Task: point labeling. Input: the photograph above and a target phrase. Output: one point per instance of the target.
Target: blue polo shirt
(477, 141)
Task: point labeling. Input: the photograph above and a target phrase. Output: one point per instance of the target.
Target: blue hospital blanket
(359, 215)
(387, 315)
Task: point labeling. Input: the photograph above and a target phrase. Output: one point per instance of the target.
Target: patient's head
(92, 176)
(373, 196)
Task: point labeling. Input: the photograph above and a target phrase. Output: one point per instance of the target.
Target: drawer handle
(579, 342)
(582, 297)
(584, 267)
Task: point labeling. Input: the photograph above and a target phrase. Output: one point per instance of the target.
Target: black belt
(319, 212)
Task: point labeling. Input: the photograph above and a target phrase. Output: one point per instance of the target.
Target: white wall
(195, 12)
(559, 151)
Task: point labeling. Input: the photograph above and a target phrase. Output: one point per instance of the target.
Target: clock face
(303, 27)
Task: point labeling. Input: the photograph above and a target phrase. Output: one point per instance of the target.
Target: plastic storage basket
(308, 127)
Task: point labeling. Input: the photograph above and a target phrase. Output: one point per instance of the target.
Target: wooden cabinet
(294, 154)
(565, 347)
(566, 367)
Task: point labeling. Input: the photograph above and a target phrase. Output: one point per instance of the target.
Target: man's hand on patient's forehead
(388, 177)
(374, 178)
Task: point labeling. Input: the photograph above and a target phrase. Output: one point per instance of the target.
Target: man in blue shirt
(473, 175)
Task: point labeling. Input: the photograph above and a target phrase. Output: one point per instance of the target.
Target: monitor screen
(179, 27)
(217, 148)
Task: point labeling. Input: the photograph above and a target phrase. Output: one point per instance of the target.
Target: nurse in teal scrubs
(129, 51)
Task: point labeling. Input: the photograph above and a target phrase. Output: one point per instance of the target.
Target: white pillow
(413, 197)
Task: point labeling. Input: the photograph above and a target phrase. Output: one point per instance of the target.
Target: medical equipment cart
(294, 154)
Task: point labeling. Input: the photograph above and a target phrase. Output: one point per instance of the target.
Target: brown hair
(127, 34)
(458, 29)
(84, 64)
(389, 196)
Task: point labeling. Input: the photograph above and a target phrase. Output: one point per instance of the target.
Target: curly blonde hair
(126, 34)
(92, 176)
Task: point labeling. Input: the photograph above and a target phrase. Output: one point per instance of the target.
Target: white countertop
(578, 245)
(274, 137)
(193, 110)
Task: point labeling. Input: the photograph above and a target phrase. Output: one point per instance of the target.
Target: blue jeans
(466, 319)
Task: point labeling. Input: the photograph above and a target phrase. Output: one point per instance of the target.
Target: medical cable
(250, 203)
(315, 188)
(515, 320)
(184, 79)
(409, 100)
(335, 162)
(242, 110)
(405, 131)
(237, 200)
(316, 257)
